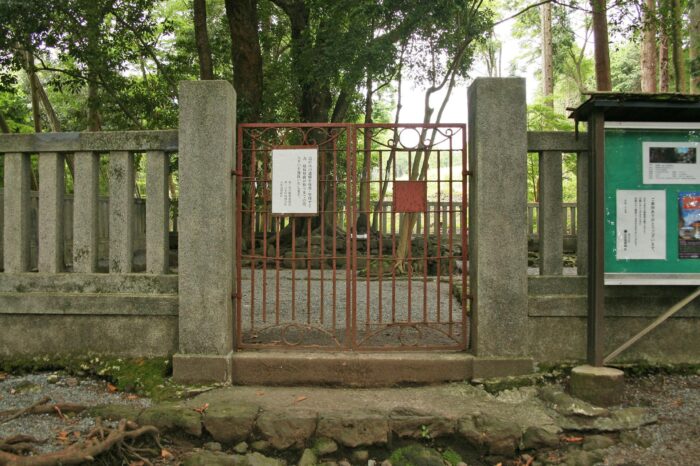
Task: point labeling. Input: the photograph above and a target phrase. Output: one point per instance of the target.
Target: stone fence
(70, 302)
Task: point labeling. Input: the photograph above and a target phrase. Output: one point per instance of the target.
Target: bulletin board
(652, 203)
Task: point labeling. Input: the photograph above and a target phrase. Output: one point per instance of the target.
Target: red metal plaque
(410, 196)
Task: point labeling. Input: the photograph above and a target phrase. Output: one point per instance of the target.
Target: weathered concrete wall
(557, 321)
(121, 315)
(117, 335)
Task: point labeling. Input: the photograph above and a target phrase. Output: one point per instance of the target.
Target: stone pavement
(294, 418)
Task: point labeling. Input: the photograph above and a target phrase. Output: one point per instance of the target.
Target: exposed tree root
(100, 440)
(14, 414)
(41, 407)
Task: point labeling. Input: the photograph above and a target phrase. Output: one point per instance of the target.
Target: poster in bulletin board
(652, 203)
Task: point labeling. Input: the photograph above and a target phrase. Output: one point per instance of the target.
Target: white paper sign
(295, 181)
(671, 162)
(641, 224)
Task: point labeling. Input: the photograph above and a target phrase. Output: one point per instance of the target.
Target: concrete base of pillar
(603, 386)
(202, 368)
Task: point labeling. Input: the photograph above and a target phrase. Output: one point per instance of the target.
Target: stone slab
(202, 368)
(603, 386)
(349, 369)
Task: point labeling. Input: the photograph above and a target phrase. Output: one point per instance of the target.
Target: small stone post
(551, 218)
(206, 231)
(498, 217)
(51, 192)
(17, 208)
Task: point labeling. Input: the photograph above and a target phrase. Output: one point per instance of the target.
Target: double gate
(381, 264)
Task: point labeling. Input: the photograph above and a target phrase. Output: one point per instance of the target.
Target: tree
(649, 48)
(547, 55)
(206, 68)
(601, 49)
(694, 26)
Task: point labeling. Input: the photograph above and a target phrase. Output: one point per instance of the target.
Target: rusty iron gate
(381, 266)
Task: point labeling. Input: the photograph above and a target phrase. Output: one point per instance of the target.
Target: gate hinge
(234, 295)
(466, 172)
(236, 173)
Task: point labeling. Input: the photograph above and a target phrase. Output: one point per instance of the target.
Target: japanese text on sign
(295, 181)
(641, 224)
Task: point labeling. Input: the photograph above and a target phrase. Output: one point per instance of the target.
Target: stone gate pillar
(498, 216)
(206, 231)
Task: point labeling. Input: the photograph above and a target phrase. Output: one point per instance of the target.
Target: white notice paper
(295, 181)
(641, 224)
(671, 162)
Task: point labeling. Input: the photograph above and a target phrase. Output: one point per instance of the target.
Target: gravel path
(317, 310)
(674, 439)
(17, 392)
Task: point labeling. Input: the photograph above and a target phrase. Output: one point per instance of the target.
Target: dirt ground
(672, 440)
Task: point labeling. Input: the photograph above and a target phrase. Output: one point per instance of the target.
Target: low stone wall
(60, 314)
(557, 321)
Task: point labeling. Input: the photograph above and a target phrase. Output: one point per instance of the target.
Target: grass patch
(144, 376)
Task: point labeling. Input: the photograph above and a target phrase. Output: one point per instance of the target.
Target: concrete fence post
(582, 213)
(551, 215)
(51, 192)
(17, 210)
(498, 216)
(206, 231)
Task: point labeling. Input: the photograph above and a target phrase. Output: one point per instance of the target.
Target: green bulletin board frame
(624, 171)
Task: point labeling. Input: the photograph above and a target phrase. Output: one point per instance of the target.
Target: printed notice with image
(295, 181)
(689, 225)
(671, 162)
(641, 224)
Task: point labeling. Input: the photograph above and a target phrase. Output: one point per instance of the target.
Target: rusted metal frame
(266, 215)
(393, 249)
(409, 258)
(464, 232)
(253, 163)
(380, 242)
(368, 232)
(351, 239)
(450, 263)
(596, 238)
(426, 252)
(323, 258)
(438, 222)
(239, 239)
(335, 182)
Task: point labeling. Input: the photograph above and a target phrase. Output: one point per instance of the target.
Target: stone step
(88, 303)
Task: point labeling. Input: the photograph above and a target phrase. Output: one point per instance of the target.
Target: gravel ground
(674, 439)
(671, 441)
(308, 302)
(17, 392)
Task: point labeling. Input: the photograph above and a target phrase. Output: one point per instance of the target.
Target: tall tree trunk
(33, 90)
(547, 61)
(601, 49)
(392, 153)
(649, 55)
(206, 69)
(677, 46)
(3, 125)
(363, 219)
(93, 104)
(694, 29)
(663, 62)
(246, 56)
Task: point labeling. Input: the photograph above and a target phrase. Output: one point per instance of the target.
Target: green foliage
(452, 457)
(144, 376)
(624, 68)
